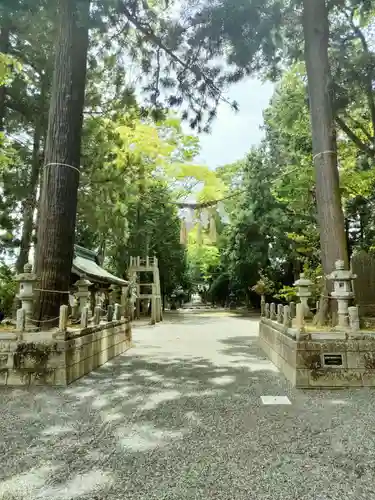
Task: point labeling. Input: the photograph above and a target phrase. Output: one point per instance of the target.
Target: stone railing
(81, 312)
(348, 317)
(60, 355)
(35, 353)
(284, 315)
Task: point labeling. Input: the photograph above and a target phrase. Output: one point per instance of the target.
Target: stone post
(138, 303)
(83, 293)
(158, 309)
(267, 310)
(354, 318)
(342, 291)
(124, 293)
(300, 320)
(128, 331)
(153, 306)
(21, 320)
(280, 311)
(262, 306)
(73, 302)
(292, 309)
(85, 317)
(75, 311)
(110, 313)
(303, 292)
(97, 312)
(27, 281)
(117, 312)
(63, 318)
(287, 320)
(273, 311)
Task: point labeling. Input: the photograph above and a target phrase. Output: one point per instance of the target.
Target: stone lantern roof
(340, 273)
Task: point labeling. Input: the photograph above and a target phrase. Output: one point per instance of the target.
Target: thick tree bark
(58, 202)
(329, 209)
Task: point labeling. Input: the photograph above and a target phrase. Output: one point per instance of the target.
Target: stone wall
(305, 362)
(279, 347)
(46, 358)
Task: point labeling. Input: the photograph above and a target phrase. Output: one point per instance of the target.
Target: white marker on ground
(275, 400)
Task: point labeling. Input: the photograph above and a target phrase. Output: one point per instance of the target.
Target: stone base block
(41, 359)
(329, 361)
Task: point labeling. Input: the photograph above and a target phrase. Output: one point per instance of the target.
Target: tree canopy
(151, 66)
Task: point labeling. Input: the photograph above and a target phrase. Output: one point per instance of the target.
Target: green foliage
(273, 223)
(202, 261)
(264, 286)
(9, 67)
(287, 293)
(7, 289)
(137, 161)
(316, 275)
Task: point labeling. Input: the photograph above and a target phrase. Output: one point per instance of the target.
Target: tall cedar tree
(330, 215)
(55, 243)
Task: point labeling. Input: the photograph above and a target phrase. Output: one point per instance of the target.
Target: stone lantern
(303, 292)
(83, 293)
(27, 281)
(342, 291)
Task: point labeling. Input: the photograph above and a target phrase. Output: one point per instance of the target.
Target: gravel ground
(180, 417)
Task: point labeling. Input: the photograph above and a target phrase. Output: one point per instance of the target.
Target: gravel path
(180, 417)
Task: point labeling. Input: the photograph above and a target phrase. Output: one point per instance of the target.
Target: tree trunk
(29, 205)
(58, 203)
(329, 209)
(4, 48)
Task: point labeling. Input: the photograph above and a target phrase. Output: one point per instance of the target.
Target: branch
(150, 35)
(369, 76)
(360, 126)
(205, 204)
(354, 138)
